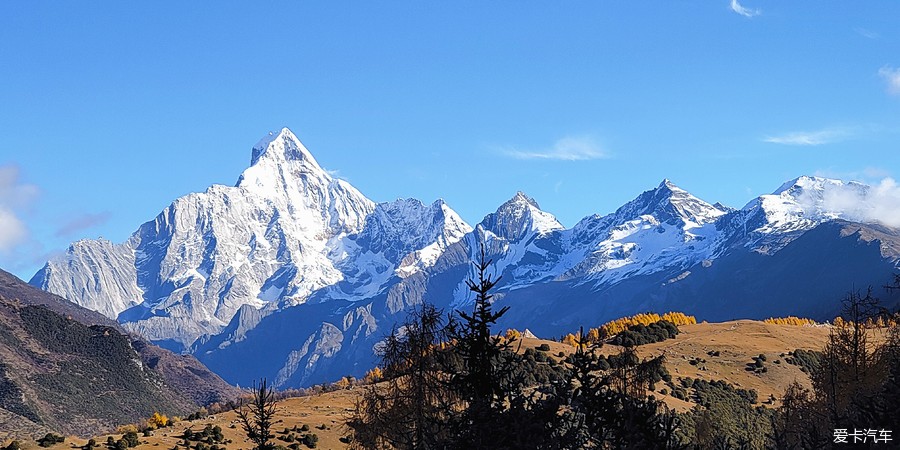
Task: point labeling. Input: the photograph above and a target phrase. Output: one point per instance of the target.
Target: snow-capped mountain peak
(519, 217)
(281, 162)
(265, 241)
(808, 183)
(804, 202)
(397, 228)
(670, 204)
(321, 271)
(286, 174)
(282, 146)
(663, 227)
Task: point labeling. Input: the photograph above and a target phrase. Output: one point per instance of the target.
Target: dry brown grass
(737, 343)
(329, 409)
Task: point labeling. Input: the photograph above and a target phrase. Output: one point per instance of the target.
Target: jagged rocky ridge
(295, 275)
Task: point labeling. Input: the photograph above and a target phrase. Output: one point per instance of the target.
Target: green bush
(311, 440)
(807, 360)
(646, 334)
(131, 439)
(726, 417)
(50, 439)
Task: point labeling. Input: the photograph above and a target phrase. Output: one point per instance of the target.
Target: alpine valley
(296, 276)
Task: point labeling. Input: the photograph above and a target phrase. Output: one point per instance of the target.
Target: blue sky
(110, 110)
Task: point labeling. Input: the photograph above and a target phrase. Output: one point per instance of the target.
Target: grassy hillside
(323, 414)
(73, 378)
(69, 370)
(734, 344)
(690, 354)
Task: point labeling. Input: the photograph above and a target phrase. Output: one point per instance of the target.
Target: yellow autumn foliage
(344, 383)
(373, 376)
(878, 322)
(790, 320)
(158, 421)
(570, 339)
(512, 334)
(617, 326)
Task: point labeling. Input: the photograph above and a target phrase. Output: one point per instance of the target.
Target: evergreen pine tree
(256, 416)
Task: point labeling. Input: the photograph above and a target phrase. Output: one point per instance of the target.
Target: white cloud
(885, 202)
(571, 148)
(14, 196)
(746, 12)
(880, 203)
(891, 76)
(12, 230)
(868, 34)
(810, 138)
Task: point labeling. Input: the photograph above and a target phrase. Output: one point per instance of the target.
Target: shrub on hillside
(725, 416)
(50, 439)
(646, 334)
(807, 360)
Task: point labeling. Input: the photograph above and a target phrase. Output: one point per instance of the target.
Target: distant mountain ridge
(295, 275)
(67, 369)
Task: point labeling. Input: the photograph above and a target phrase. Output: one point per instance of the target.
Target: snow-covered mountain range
(295, 275)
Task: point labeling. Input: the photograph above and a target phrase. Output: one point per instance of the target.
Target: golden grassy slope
(737, 342)
(328, 410)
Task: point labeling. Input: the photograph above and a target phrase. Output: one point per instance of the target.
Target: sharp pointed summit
(521, 198)
(518, 217)
(282, 146)
(667, 183)
(672, 204)
(279, 160)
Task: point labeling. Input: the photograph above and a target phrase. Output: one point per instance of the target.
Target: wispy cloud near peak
(746, 12)
(810, 138)
(570, 148)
